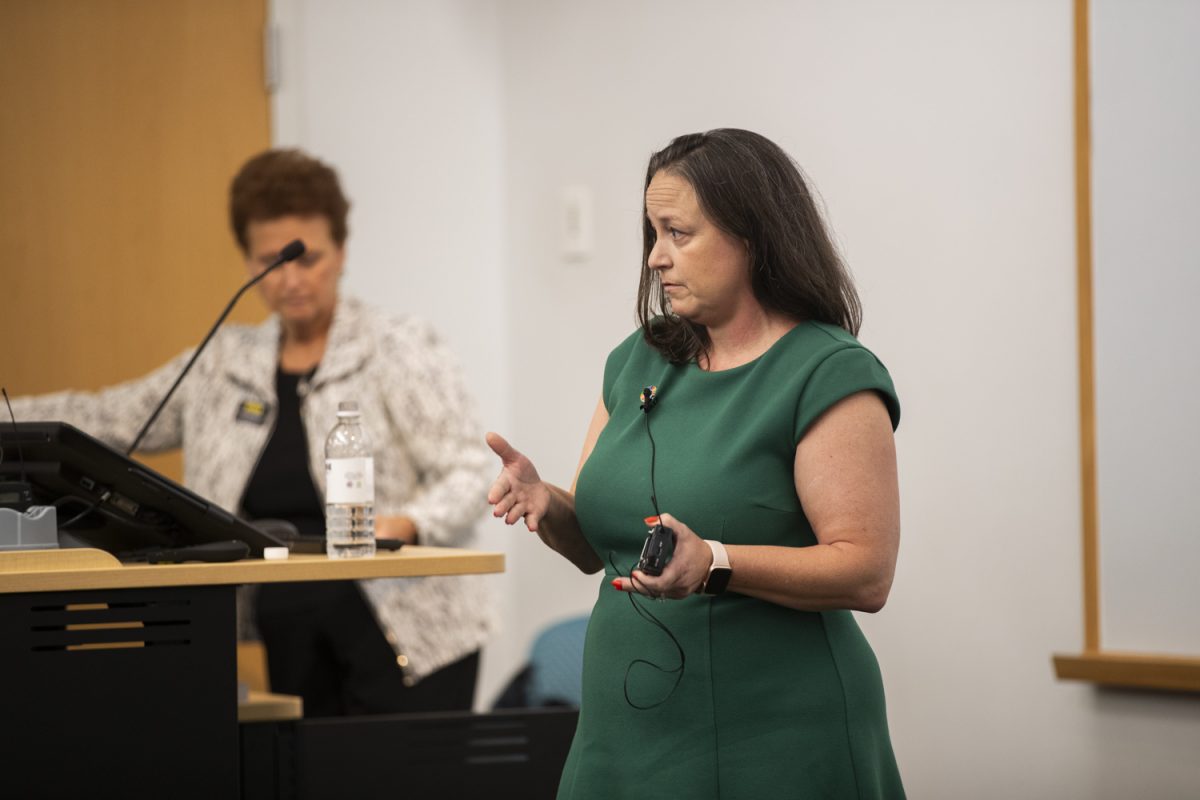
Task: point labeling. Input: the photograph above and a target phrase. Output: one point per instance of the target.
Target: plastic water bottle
(349, 488)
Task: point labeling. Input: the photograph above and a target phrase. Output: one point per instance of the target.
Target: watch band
(720, 572)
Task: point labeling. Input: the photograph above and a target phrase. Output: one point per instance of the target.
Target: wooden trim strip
(1087, 385)
(105, 626)
(105, 646)
(268, 707)
(1133, 670)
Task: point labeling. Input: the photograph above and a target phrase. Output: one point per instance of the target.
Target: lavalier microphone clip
(649, 398)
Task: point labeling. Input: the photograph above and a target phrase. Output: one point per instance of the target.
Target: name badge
(253, 411)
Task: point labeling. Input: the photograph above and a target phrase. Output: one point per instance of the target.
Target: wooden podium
(119, 680)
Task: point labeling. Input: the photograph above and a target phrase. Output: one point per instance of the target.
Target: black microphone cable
(649, 399)
(653, 491)
(646, 614)
(16, 434)
(21, 490)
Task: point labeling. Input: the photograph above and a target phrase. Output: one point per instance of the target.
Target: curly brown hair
(751, 189)
(281, 182)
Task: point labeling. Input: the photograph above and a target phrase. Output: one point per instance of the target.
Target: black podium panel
(119, 693)
(511, 753)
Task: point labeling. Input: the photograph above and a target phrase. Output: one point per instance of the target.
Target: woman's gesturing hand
(685, 573)
(518, 490)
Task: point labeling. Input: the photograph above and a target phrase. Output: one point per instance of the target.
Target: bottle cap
(275, 553)
(348, 408)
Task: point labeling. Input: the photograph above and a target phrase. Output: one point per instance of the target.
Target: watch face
(718, 579)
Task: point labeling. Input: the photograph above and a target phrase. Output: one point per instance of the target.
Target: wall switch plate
(577, 240)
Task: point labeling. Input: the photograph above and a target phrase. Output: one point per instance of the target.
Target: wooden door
(121, 125)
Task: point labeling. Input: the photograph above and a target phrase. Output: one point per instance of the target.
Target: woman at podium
(252, 417)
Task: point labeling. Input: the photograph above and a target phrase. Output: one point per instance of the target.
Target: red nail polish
(651, 520)
(616, 584)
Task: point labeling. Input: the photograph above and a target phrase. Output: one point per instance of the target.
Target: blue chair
(554, 674)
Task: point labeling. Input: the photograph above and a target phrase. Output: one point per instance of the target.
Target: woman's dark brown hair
(750, 188)
(280, 183)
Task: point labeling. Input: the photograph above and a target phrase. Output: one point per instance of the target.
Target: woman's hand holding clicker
(684, 574)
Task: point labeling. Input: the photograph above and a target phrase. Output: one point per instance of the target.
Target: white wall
(404, 99)
(1146, 274)
(939, 134)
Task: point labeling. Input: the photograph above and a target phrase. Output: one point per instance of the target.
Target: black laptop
(130, 508)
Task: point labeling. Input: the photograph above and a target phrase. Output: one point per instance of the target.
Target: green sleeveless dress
(770, 702)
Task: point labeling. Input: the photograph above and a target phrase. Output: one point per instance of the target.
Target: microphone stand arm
(162, 403)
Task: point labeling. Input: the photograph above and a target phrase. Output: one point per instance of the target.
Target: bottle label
(350, 480)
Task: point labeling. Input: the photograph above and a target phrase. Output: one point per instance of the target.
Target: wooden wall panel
(123, 122)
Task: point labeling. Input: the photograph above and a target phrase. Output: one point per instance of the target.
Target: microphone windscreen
(291, 251)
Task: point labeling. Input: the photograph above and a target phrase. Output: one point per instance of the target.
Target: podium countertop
(73, 569)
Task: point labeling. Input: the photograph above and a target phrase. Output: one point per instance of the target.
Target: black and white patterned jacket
(431, 463)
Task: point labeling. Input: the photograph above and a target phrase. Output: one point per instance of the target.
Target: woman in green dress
(746, 418)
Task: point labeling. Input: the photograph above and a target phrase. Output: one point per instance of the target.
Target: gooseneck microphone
(290, 252)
